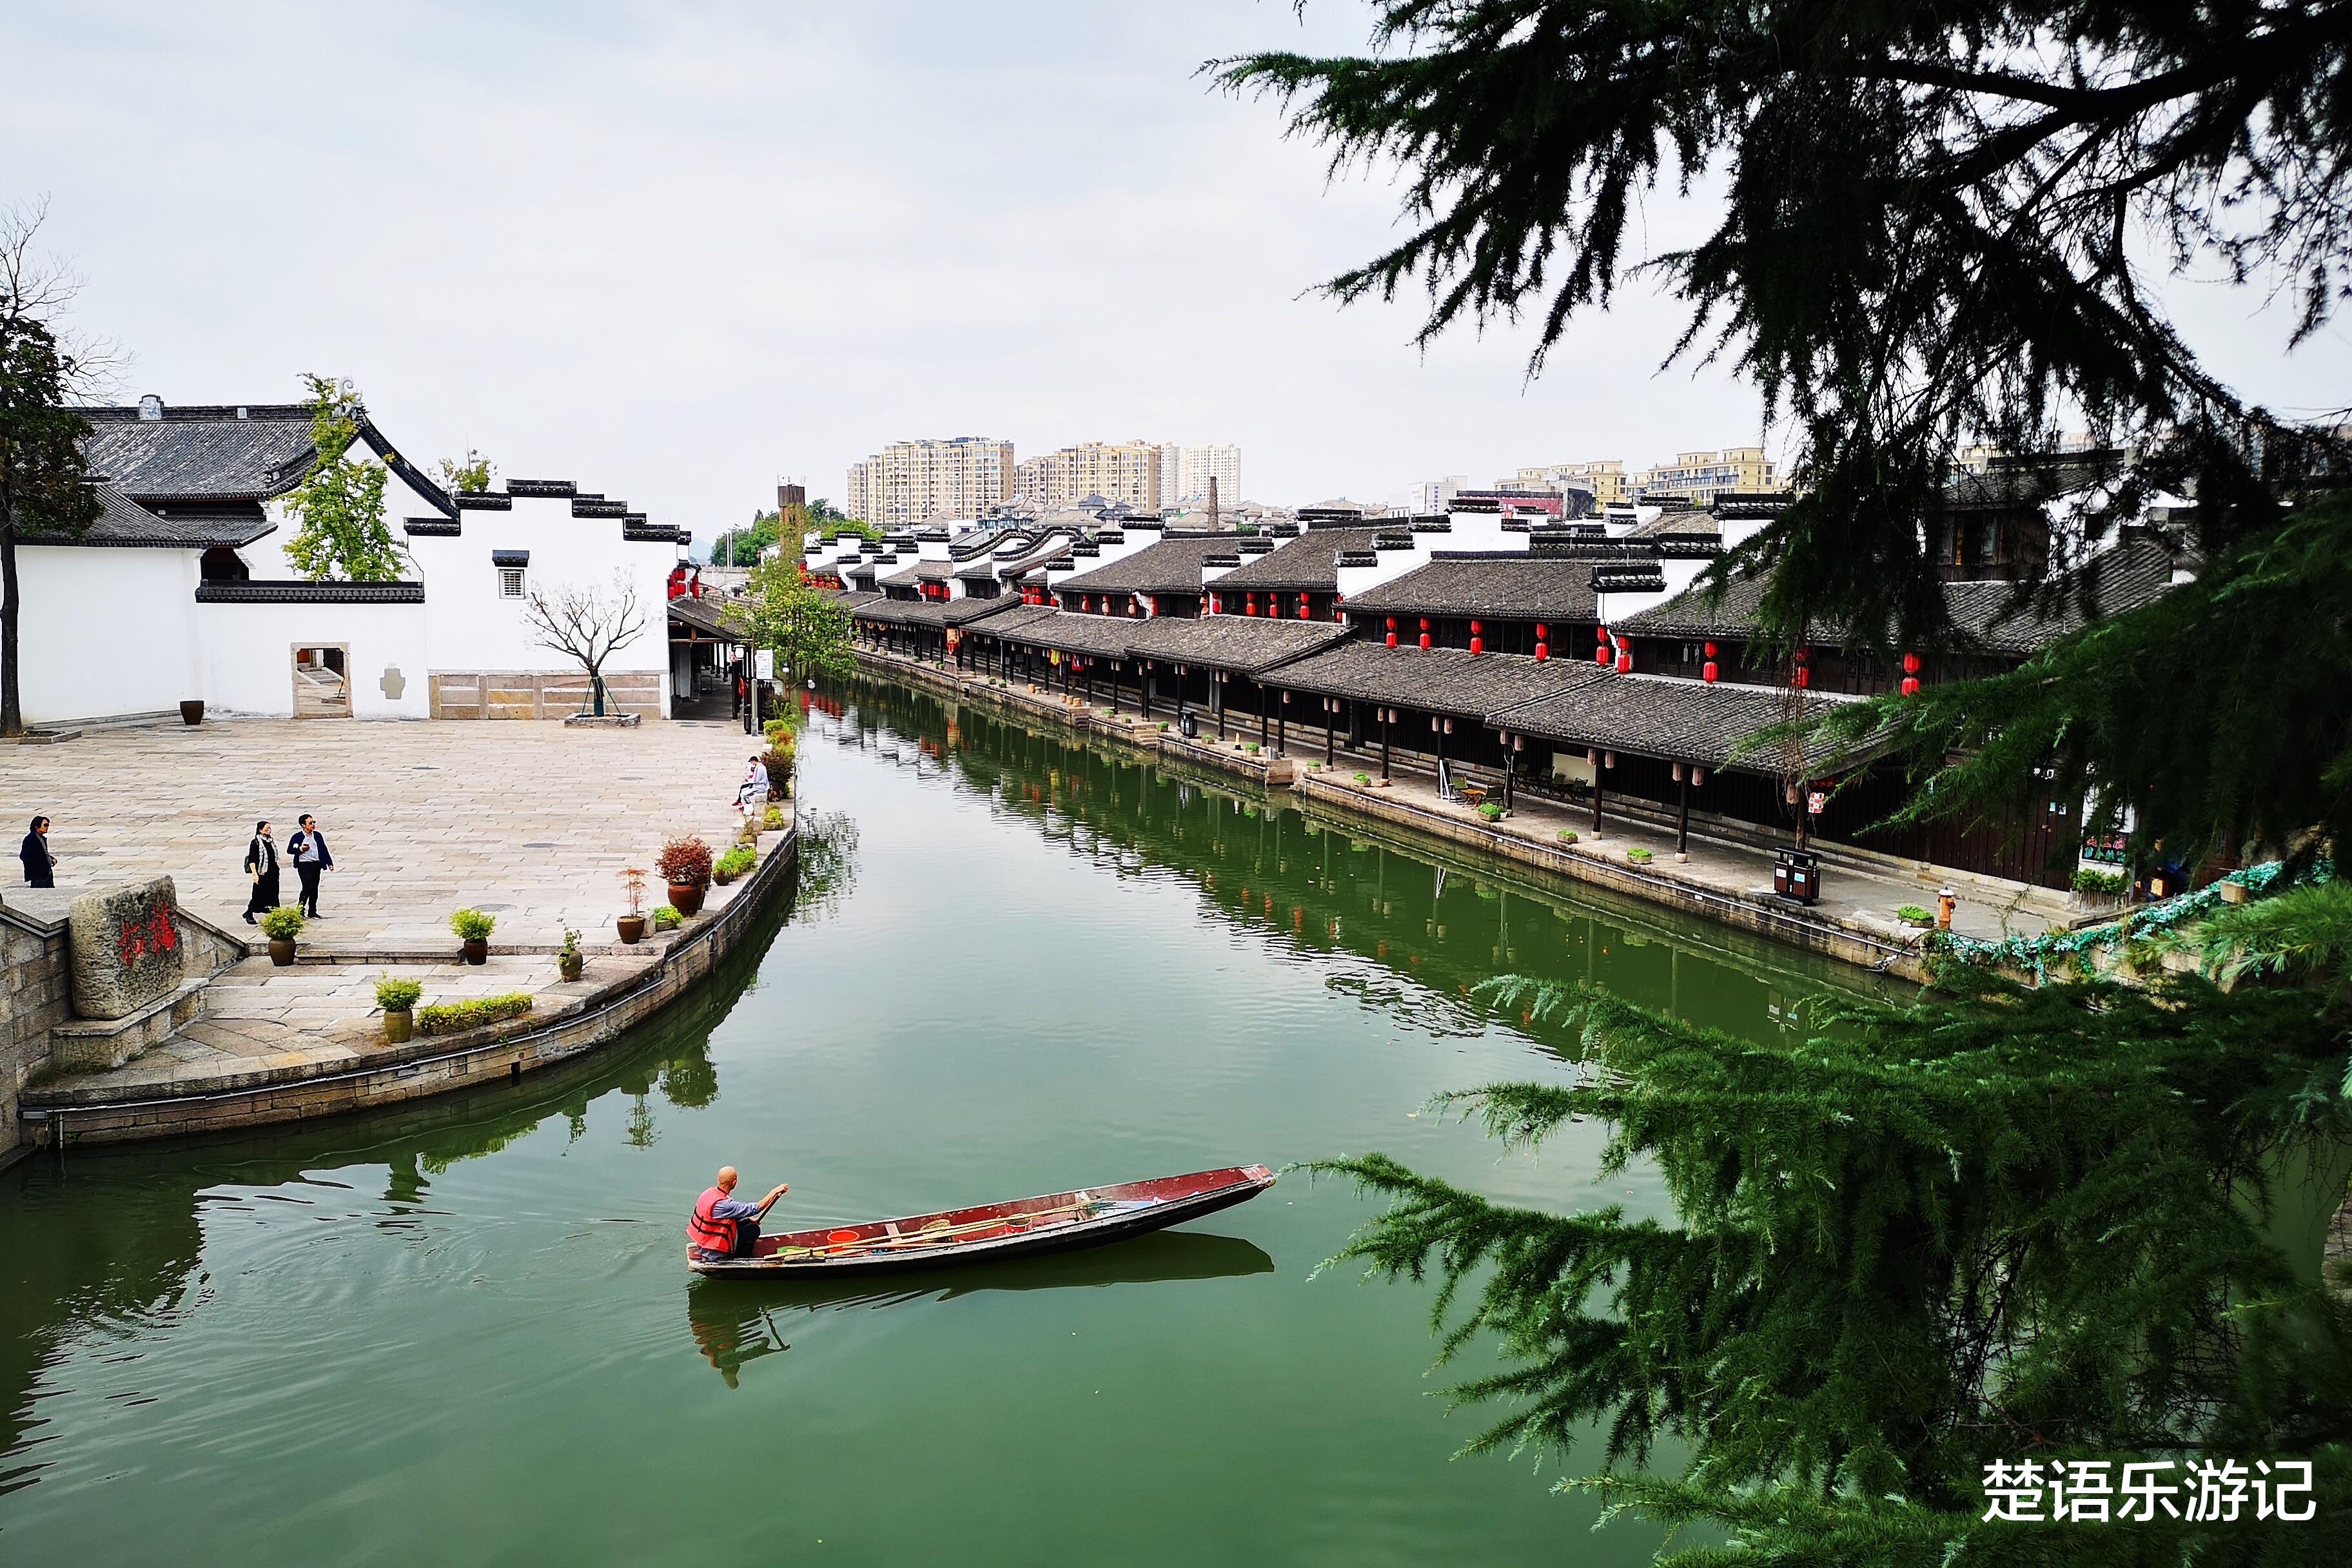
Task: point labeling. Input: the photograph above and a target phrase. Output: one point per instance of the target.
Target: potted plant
(472, 929)
(281, 926)
(774, 821)
(2095, 890)
(1491, 810)
(740, 861)
(1363, 778)
(1638, 855)
(1913, 915)
(192, 712)
(398, 998)
(685, 865)
(569, 959)
(666, 919)
(632, 925)
(1568, 836)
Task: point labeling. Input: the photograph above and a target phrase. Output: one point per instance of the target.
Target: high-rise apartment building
(1185, 472)
(918, 482)
(1433, 496)
(1125, 471)
(1700, 477)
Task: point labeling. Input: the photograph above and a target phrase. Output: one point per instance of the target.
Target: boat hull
(1056, 1222)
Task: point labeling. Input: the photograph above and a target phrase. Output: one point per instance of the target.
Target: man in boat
(723, 1226)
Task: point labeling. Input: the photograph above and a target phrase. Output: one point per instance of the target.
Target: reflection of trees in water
(1421, 928)
(827, 870)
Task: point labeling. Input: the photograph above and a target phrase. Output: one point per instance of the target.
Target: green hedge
(456, 1017)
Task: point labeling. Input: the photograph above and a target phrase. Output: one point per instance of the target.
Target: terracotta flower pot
(399, 1024)
(476, 950)
(570, 964)
(686, 897)
(192, 713)
(281, 951)
(633, 929)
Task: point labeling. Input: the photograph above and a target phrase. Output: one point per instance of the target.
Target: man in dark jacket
(308, 847)
(261, 865)
(39, 864)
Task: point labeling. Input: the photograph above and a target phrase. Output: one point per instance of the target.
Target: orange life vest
(707, 1230)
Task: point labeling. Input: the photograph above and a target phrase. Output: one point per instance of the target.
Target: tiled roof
(2136, 570)
(1508, 587)
(290, 591)
(1246, 644)
(123, 523)
(223, 452)
(1171, 566)
(1438, 680)
(1309, 562)
(936, 612)
(1679, 720)
(707, 616)
(922, 572)
(201, 453)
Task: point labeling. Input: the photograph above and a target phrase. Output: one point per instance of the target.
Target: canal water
(464, 1332)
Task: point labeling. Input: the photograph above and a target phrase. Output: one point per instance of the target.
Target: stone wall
(34, 994)
(482, 694)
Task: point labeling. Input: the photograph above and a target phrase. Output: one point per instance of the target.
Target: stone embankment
(1725, 876)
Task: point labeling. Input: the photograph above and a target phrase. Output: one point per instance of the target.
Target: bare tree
(590, 624)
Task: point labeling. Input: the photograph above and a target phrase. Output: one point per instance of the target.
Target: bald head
(727, 1178)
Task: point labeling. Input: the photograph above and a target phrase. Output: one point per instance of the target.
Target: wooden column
(1682, 811)
(1384, 743)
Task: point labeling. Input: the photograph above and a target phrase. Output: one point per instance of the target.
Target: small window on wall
(510, 582)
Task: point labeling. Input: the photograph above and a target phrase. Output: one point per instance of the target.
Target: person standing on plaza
(39, 864)
(308, 847)
(737, 670)
(261, 864)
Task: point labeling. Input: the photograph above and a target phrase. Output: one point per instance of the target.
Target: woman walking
(261, 864)
(39, 864)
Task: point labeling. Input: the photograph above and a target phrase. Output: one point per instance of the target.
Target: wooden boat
(1057, 1222)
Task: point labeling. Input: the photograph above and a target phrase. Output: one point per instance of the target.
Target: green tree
(808, 630)
(340, 534)
(1924, 235)
(471, 477)
(741, 546)
(45, 481)
(1996, 1224)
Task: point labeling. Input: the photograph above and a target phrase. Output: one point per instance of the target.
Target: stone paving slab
(531, 822)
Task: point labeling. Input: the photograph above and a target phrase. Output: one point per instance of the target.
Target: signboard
(763, 664)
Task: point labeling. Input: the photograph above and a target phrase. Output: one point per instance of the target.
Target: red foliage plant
(685, 862)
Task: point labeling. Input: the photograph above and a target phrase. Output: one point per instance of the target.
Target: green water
(465, 1333)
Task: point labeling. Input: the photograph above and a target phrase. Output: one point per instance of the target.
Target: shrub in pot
(1568, 836)
(685, 865)
(1490, 811)
(774, 821)
(779, 764)
(666, 919)
(281, 926)
(1638, 855)
(1913, 915)
(569, 959)
(632, 925)
(398, 998)
(473, 928)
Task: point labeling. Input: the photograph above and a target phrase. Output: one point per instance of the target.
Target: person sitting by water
(753, 796)
(723, 1224)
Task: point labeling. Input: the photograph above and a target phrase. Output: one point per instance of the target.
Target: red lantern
(1392, 639)
(1216, 604)
(1155, 604)
(1474, 629)
(1710, 651)
(1425, 639)
(1392, 623)
(1273, 608)
(1910, 664)
(1478, 644)
(1802, 678)
(1624, 661)
(1707, 671)
(1425, 623)
(1910, 686)
(1304, 608)
(1541, 635)
(1543, 652)
(1600, 632)
(1600, 655)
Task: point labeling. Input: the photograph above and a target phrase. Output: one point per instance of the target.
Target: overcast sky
(678, 251)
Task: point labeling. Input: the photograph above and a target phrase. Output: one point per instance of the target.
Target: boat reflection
(733, 1320)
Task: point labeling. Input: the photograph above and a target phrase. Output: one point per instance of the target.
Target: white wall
(105, 631)
(471, 629)
(248, 654)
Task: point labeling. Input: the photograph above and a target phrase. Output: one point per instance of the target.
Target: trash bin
(1190, 725)
(1796, 876)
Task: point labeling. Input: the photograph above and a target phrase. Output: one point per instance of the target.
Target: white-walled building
(180, 592)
